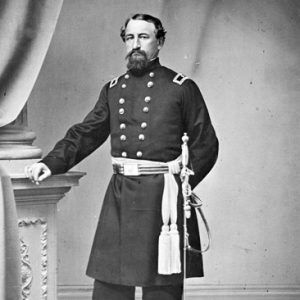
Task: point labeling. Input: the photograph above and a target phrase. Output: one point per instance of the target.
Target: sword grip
(185, 150)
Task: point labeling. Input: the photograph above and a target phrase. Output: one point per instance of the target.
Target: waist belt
(137, 169)
(168, 244)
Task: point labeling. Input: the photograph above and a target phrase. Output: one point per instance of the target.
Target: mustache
(142, 52)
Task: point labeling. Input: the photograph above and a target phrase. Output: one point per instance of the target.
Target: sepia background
(244, 55)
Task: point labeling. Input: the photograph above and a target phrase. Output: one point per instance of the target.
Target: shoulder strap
(180, 78)
(113, 82)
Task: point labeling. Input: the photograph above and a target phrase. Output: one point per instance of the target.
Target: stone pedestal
(36, 209)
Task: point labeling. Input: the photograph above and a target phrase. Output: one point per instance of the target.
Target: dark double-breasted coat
(145, 115)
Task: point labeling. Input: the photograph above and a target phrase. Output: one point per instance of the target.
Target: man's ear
(160, 43)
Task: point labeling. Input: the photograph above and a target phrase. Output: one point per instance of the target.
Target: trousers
(108, 291)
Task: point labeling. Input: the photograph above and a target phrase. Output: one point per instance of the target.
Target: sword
(186, 192)
(190, 199)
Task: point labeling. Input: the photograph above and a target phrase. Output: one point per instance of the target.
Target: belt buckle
(131, 170)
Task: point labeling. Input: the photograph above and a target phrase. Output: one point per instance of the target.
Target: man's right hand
(37, 172)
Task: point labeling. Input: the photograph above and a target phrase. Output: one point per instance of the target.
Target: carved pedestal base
(36, 208)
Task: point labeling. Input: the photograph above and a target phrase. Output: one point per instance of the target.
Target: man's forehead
(139, 26)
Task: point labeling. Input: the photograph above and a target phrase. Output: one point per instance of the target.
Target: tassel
(175, 250)
(164, 246)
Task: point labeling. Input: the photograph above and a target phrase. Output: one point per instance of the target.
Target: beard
(137, 61)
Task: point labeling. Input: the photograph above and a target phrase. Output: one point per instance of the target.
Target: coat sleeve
(203, 143)
(81, 139)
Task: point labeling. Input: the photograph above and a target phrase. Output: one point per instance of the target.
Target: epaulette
(180, 78)
(113, 82)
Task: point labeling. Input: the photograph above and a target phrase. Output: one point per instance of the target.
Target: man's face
(141, 43)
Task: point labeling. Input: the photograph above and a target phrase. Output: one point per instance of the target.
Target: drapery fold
(26, 29)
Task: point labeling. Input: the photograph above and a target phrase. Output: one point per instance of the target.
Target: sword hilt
(185, 150)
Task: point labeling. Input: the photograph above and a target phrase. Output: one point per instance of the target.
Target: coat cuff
(56, 165)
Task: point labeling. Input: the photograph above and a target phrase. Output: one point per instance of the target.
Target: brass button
(123, 137)
(126, 76)
(122, 101)
(124, 86)
(144, 125)
(122, 126)
(121, 111)
(150, 84)
(141, 137)
(124, 154)
(147, 99)
(151, 74)
(139, 154)
(145, 109)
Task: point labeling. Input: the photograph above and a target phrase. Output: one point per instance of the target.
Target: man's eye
(128, 38)
(144, 37)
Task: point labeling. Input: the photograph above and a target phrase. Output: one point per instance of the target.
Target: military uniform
(146, 115)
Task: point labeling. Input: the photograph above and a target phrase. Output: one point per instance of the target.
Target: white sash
(169, 242)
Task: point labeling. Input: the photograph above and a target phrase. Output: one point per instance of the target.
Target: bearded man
(145, 111)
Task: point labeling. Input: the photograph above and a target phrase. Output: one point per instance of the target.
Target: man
(146, 111)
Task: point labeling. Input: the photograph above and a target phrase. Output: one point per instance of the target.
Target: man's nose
(136, 44)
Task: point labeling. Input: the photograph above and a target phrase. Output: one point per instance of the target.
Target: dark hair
(160, 31)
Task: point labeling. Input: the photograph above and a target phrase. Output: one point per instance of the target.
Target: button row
(123, 125)
(145, 110)
(151, 74)
(138, 154)
(147, 100)
(123, 137)
(150, 84)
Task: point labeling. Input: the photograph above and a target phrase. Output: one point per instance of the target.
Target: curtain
(26, 29)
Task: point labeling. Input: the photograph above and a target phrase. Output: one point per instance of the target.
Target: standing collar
(153, 64)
